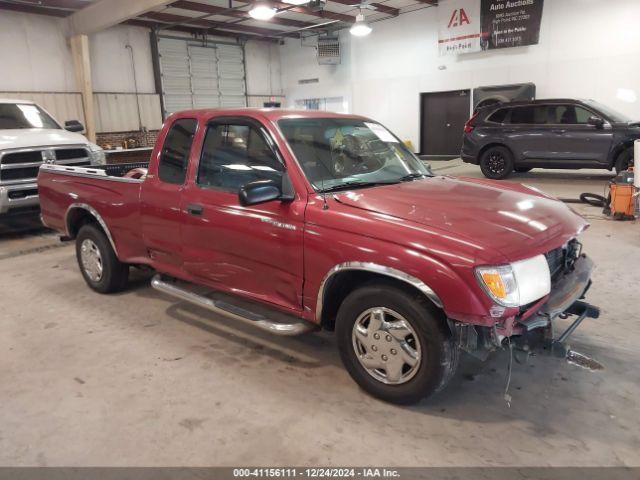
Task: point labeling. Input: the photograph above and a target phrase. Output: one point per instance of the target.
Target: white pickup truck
(29, 137)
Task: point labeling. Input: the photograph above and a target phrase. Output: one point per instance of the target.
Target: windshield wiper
(412, 176)
(354, 184)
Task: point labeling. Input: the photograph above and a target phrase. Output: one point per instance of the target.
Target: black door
(442, 119)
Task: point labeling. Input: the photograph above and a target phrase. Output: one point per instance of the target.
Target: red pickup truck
(294, 221)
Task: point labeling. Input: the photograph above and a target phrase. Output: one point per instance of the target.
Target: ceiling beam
(103, 14)
(37, 9)
(213, 10)
(378, 6)
(307, 11)
(209, 24)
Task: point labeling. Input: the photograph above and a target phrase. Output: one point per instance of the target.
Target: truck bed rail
(112, 172)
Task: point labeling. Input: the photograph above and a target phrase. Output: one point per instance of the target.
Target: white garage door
(194, 76)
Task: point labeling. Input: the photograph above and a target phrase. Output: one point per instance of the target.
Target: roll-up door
(231, 75)
(197, 76)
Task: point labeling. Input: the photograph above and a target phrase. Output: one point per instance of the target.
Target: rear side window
(234, 155)
(175, 151)
(534, 115)
(569, 115)
(498, 116)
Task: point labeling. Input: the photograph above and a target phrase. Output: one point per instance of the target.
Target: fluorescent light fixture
(361, 28)
(262, 11)
(295, 2)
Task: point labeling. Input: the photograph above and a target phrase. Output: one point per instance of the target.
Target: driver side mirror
(73, 126)
(262, 191)
(596, 121)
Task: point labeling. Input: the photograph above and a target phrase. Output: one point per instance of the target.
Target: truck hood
(37, 137)
(515, 220)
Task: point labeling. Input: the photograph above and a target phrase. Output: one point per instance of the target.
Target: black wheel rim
(496, 163)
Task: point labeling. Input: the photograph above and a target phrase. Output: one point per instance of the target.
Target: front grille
(22, 162)
(22, 157)
(19, 173)
(555, 259)
(70, 153)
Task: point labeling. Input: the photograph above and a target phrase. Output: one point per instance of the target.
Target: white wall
(588, 48)
(262, 60)
(35, 56)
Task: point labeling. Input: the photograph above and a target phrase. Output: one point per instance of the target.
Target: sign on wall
(473, 25)
(459, 26)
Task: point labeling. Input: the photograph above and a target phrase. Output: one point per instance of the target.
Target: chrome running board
(233, 311)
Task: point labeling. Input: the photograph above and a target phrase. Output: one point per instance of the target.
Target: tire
(624, 160)
(496, 163)
(522, 169)
(93, 248)
(429, 335)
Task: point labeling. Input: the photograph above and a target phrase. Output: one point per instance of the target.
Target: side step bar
(232, 311)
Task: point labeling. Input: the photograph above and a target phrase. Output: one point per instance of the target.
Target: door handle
(194, 209)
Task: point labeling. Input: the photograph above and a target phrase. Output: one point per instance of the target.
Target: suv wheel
(624, 160)
(496, 163)
(394, 344)
(98, 263)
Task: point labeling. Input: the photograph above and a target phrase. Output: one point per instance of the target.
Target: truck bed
(102, 189)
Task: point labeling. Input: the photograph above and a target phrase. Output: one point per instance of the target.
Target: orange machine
(623, 196)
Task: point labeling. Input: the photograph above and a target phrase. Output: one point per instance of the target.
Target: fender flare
(379, 269)
(94, 213)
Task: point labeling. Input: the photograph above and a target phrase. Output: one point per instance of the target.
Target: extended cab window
(175, 151)
(569, 115)
(234, 155)
(534, 115)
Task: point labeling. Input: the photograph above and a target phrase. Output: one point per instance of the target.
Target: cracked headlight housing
(96, 155)
(518, 283)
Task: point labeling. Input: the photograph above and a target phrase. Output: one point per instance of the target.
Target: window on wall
(234, 155)
(175, 151)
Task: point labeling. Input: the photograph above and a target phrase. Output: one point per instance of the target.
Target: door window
(175, 151)
(569, 115)
(234, 155)
(534, 115)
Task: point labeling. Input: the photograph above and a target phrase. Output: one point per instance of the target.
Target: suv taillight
(469, 126)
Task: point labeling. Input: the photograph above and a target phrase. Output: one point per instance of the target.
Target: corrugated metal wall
(115, 112)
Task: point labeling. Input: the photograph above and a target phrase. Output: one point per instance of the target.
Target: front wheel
(395, 344)
(496, 163)
(98, 263)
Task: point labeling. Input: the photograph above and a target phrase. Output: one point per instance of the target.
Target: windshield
(611, 115)
(24, 115)
(339, 152)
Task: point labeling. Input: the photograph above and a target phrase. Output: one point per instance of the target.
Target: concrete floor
(137, 379)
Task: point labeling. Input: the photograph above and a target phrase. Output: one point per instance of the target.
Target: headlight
(96, 155)
(518, 283)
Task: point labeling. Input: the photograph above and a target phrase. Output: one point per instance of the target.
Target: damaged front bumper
(535, 328)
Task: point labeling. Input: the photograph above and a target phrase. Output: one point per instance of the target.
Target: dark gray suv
(559, 133)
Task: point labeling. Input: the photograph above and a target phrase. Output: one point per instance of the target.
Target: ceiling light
(262, 11)
(295, 2)
(361, 28)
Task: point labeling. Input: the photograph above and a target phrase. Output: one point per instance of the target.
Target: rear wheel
(395, 344)
(624, 160)
(496, 163)
(98, 263)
